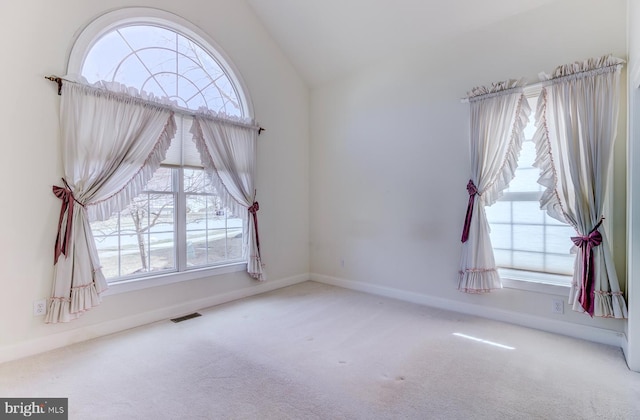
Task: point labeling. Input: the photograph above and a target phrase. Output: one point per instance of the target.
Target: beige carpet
(313, 351)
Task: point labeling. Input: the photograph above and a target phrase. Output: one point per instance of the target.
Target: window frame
(535, 281)
(548, 283)
(86, 37)
(81, 45)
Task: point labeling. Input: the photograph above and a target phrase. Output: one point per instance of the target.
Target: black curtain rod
(58, 80)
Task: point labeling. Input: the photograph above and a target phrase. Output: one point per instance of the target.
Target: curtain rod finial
(56, 79)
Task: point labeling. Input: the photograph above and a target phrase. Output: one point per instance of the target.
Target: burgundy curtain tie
(253, 210)
(64, 231)
(473, 191)
(586, 245)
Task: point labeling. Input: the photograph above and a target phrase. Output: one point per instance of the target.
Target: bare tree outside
(145, 216)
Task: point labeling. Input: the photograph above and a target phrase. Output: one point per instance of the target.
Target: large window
(143, 238)
(178, 223)
(527, 243)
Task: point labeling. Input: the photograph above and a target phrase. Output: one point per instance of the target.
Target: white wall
(389, 161)
(35, 37)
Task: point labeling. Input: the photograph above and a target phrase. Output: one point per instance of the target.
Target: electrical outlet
(557, 306)
(40, 307)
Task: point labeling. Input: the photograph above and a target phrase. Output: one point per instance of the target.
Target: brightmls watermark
(36, 408)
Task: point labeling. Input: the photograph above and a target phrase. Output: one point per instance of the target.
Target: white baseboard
(54, 341)
(585, 332)
(625, 347)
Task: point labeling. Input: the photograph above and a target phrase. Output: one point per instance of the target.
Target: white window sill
(131, 285)
(550, 284)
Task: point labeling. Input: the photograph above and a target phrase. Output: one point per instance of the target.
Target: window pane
(527, 212)
(105, 227)
(217, 251)
(132, 261)
(234, 247)
(501, 236)
(160, 62)
(99, 62)
(528, 238)
(189, 67)
(558, 239)
(197, 212)
(560, 264)
(224, 246)
(136, 215)
(162, 252)
(499, 212)
(502, 257)
(551, 221)
(144, 36)
(141, 238)
(162, 180)
(197, 181)
(196, 248)
(108, 250)
(150, 85)
(162, 216)
(525, 180)
(234, 224)
(528, 260)
(530, 129)
(215, 236)
(527, 155)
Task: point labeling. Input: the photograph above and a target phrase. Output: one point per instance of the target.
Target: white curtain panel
(498, 116)
(112, 143)
(228, 151)
(577, 118)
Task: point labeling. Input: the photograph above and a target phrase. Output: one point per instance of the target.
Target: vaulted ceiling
(326, 38)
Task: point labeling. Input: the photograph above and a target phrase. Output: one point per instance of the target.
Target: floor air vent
(184, 318)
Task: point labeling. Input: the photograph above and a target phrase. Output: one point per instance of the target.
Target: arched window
(162, 54)
(178, 223)
(164, 62)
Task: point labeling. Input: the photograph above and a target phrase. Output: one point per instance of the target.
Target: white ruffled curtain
(112, 143)
(577, 118)
(228, 150)
(498, 117)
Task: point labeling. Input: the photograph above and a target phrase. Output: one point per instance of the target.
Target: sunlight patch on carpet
(502, 346)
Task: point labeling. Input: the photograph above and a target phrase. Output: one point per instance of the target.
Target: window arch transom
(156, 54)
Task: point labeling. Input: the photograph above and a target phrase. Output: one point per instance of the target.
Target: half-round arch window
(159, 53)
(180, 222)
